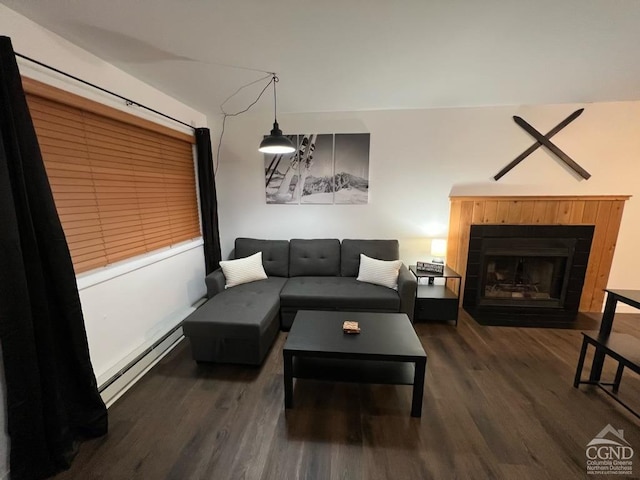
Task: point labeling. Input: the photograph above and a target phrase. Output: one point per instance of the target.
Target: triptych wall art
(324, 169)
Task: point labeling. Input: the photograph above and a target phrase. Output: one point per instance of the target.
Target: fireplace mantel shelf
(521, 198)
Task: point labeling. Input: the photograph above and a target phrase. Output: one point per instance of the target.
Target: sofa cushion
(337, 293)
(275, 254)
(351, 250)
(243, 270)
(320, 257)
(379, 272)
(237, 311)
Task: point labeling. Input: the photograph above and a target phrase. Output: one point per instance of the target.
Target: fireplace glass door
(524, 272)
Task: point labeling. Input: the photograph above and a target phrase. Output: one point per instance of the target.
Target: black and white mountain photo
(316, 170)
(325, 169)
(281, 175)
(351, 177)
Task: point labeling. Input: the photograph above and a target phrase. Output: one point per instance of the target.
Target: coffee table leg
(288, 380)
(418, 387)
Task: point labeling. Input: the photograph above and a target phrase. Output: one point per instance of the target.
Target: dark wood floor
(499, 403)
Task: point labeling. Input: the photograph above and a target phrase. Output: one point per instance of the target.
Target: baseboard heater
(120, 382)
(135, 361)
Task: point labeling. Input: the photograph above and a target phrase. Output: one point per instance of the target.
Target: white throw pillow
(243, 270)
(380, 272)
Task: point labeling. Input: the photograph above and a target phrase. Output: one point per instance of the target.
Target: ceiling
(348, 55)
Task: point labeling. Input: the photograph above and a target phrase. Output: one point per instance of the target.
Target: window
(123, 186)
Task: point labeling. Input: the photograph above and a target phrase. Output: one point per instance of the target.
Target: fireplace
(522, 271)
(526, 274)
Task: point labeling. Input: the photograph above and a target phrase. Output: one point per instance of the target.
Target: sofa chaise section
(239, 326)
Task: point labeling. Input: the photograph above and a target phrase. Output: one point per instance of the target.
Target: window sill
(94, 277)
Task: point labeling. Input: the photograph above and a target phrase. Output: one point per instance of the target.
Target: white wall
(419, 157)
(128, 306)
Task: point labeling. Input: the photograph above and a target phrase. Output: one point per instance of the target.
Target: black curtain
(52, 396)
(208, 201)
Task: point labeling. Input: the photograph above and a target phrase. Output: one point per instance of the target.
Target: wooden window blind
(120, 189)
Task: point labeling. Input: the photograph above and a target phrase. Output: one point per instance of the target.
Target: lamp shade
(438, 247)
(276, 142)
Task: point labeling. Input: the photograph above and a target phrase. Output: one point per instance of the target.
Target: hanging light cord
(273, 79)
(275, 99)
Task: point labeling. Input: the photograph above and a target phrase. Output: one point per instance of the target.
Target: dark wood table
(630, 297)
(436, 302)
(386, 351)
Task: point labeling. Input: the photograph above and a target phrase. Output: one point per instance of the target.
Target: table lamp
(438, 250)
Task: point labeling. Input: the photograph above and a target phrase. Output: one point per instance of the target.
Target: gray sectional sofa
(239, 324)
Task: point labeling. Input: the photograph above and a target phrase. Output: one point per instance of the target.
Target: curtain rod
(127, 100)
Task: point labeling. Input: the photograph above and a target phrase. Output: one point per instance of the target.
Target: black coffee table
(386, 351)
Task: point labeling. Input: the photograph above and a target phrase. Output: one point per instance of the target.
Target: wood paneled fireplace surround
(532, 259)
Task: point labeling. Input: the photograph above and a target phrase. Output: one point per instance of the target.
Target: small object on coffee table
(350, 327)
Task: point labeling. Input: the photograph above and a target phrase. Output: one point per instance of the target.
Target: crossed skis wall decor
(545, 140)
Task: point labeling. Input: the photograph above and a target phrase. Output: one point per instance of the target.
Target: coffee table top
(383, 336)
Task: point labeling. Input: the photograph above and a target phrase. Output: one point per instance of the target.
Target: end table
(436, 302)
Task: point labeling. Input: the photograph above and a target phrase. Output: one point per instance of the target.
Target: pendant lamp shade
(276, 142)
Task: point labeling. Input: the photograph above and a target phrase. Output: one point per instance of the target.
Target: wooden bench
(623, 348)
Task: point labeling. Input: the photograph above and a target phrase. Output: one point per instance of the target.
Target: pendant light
(276, 142)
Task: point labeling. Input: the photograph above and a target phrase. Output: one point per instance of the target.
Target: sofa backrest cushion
(275, 254)
(318, 257)
(379, 249)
